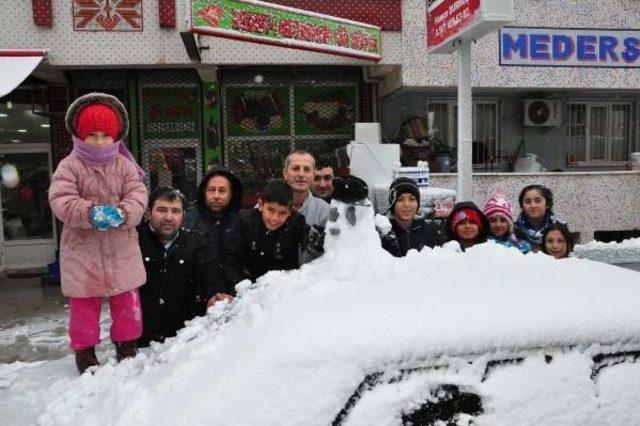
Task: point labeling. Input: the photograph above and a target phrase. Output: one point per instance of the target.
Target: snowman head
(350, 226)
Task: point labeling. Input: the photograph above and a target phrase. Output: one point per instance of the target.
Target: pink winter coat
(98, 263)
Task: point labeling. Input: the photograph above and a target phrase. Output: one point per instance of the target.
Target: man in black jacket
(271, 237)
(178, 267)
(219, 199)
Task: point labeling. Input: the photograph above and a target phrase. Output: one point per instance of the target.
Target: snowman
(351, 226)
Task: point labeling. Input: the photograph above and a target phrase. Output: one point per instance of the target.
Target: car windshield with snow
(440, 337)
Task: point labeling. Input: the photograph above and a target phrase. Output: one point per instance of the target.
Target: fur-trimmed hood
(97, 98)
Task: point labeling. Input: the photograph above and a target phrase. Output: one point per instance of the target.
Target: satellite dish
(9, 174)
(538, 112)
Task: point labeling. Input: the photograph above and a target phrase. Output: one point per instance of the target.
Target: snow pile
(627, 251)
(293, 347)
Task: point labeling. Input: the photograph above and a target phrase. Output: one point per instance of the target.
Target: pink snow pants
(84, 319)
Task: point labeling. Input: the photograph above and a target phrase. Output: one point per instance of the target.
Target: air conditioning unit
(542, 112)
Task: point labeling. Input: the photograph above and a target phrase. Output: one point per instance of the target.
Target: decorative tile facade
(154, 46)
(107, 15)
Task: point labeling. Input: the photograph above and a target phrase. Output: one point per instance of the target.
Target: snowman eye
(334, 214)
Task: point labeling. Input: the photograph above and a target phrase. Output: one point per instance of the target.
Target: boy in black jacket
(271, 237)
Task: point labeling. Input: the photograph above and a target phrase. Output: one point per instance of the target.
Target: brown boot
(86, 358)
(127, 349)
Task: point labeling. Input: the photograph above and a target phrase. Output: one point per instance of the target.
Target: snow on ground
(41, 338)
(292, 348)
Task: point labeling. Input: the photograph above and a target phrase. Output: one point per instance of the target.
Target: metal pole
(465, 108)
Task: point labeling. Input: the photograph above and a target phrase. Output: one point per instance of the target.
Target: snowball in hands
(107, 217)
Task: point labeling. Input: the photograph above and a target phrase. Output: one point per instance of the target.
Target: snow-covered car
(357, 337)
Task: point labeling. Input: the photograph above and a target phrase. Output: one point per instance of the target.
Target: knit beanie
(499, 203)
(97, 118)
(466, 214)
(402, 185)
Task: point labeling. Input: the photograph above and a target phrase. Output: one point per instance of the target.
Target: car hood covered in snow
(292, 348)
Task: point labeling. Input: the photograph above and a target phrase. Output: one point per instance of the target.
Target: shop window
(264, 122)
(599, 132)
(486, 129)
(20, 125)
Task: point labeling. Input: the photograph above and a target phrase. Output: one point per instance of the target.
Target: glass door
(28, 234)
(174, 163)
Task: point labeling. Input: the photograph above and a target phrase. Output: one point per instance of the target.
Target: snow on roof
(292, 347)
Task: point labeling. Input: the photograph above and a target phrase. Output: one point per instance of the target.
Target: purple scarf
(94, 156)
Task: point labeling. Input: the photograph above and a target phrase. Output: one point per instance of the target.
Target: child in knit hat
(408, 231)
(467, 225)
(98, 194)
(499, 213)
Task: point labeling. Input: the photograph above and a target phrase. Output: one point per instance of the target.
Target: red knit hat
(466, 214)
(97, 118)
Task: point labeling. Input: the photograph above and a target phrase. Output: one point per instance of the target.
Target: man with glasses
(178, 268)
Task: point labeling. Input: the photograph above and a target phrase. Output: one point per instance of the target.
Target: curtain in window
(598, 133)
(577, 133)
(620, 117)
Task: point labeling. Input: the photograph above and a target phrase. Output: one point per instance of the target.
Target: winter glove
(313, 240)
(312, 245)
(107, 217)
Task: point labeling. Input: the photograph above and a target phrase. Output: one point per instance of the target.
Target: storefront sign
(448, 20)
(559, 47)
(170, 112)
(267, 23)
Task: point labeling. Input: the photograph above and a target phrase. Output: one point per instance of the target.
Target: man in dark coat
(407, 231)
(270, 237)
(177, 265)
(219, 199)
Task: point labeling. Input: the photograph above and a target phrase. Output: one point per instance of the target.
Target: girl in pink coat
(98, 194)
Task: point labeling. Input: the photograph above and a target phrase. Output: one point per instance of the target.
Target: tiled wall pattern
(386, 14)
(154, 45)
(421, 69)
(588, 202)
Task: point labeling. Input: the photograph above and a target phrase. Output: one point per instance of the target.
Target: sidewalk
(32, 320)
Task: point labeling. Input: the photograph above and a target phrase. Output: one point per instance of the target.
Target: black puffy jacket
(251, 250)
(176, 283)
(214, 224)
(421, 233)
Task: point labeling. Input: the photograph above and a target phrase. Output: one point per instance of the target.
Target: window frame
(609, 104)
(452, 130)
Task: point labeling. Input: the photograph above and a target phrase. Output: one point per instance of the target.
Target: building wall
(587, 202)
(158, 47)
(423, 70)
(152, 46)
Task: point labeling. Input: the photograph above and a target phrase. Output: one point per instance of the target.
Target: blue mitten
(107, 217)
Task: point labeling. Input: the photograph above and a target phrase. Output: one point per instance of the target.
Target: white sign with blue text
(569, 47)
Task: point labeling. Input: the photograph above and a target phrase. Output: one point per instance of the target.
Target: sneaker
(86, 358)
(127, 349)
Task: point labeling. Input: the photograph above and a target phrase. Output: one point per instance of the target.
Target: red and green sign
(267, 23)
